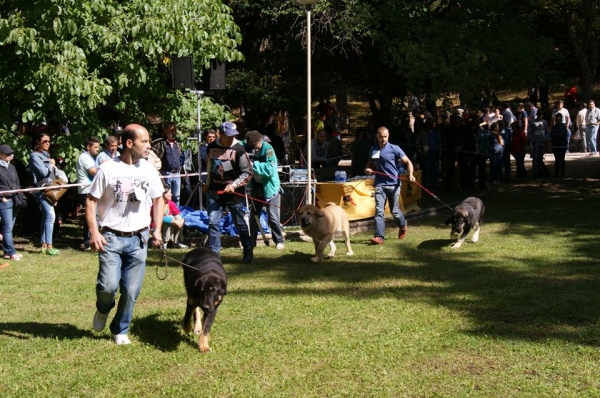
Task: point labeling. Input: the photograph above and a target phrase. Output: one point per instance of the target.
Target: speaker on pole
(182, 72)
(217, 75)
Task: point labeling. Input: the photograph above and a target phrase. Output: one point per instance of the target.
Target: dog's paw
(204, 348)
(329, 255)
(455, 245)
(350, 253)
(315, 259)
(197, 331)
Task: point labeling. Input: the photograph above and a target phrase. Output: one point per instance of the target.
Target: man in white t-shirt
(580, 124)
(86, 170)
(123, 192)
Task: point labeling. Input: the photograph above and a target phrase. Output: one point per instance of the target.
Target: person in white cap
(229, 169)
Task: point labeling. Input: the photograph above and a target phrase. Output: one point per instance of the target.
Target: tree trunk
(584, 41)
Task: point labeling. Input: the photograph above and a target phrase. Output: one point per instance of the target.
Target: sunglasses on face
(45, 141)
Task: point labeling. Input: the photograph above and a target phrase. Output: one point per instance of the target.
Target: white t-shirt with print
(125, 194)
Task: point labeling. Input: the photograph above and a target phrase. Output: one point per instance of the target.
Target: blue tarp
(198, 220)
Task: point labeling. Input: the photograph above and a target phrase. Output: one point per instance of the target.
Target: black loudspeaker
(182, 72)
(217, 75)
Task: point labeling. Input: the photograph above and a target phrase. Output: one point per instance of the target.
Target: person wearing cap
(229, 169)
(9, 180)
(265, 186)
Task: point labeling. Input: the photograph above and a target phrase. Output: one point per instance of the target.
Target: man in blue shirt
(384, 163)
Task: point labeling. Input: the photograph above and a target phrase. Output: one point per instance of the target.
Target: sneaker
(15, 257)
(378, 240)
(280, 246)
(121, 339)
(51, 251)
(87, 249)
(180, 245)
(248, 256)
(99, 321)
(402, 232)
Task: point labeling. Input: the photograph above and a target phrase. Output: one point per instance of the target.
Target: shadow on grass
(27, 330)
(505, 291)
(163, 334)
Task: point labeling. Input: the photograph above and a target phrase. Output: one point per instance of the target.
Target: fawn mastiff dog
(206, 285)
(322, 224)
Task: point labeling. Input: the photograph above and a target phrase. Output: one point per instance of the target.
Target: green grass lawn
(515, 315)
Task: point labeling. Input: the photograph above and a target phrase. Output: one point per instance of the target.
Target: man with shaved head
(123, 192)
(385, 162)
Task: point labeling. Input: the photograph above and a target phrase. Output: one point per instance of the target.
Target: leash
(422, 187)
(252, 198)
(164, 259)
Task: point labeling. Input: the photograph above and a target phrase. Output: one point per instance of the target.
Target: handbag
(53, 195)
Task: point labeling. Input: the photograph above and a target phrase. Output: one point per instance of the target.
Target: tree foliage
(94, 62)
(382, 48)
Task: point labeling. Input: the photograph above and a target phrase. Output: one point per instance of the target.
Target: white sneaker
(121, 339)
(280, 246)
(99, 321)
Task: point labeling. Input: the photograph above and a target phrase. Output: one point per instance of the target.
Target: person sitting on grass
(172, 224)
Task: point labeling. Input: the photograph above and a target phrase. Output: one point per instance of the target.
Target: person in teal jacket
(265, 186)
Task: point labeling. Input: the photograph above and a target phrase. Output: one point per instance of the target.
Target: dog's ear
(223, 287)
(449, 221)
(319, 213)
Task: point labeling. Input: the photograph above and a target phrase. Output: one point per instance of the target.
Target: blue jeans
(174, 183)
(7, 222)
(273, 217)
(391, 193)
(496, 166)
(591, 133)
(122, 266)
(215, 212)
(47, 219)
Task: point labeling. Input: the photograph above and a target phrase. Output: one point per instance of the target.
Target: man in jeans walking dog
(384, 163)
(123, 191)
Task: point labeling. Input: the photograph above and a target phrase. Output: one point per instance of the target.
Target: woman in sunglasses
(43, 169)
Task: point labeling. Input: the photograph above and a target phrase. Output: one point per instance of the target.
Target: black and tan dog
(467, 216)
(206, 284)
(321, 225)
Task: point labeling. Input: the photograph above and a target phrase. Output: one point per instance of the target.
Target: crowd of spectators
(464, 150)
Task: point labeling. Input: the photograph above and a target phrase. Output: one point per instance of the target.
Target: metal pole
(308, 106)
(199, 130)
